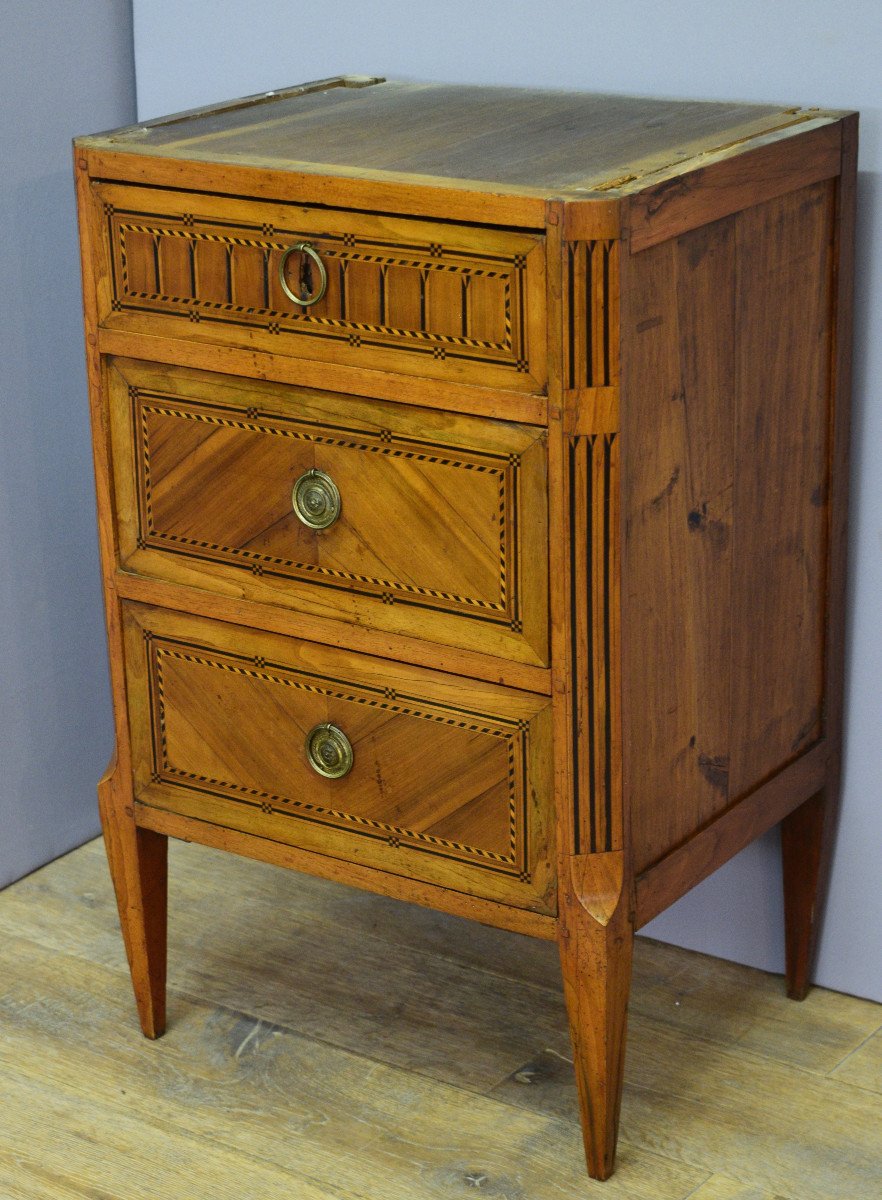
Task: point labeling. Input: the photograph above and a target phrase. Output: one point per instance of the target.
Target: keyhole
(305, 277)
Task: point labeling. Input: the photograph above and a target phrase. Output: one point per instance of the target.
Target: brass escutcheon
(312, 253)
(329, 751)
(316, 500)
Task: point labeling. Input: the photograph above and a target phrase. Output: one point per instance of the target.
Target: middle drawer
(409, 520)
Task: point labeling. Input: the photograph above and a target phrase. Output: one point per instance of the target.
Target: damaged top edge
(258, 98)
(622, 183)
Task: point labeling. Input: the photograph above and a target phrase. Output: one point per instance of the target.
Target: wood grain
(785, 321)
(445, 395)
(863, 1068)
(595, 909)
(737, 1112)
(399, 887)
(720, 1188)
(138, 860)
(729, 832)
(265, 1093)
(449, 780)
(450, 301)
(517, 139)
(728, 339)
(222, 1086)
(807, 836)
(773, 166)
(679, 360)
(392, 193)
(722, 1003)
(441, 532)
(596, 935)
(136, 1153)
(326, 629)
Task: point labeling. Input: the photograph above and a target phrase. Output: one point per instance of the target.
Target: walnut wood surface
(454, 301)
(355, 874)
(408, 196)
(441, 532)
(592, 411)
(138, 860)
(807, 835)
(770, 166)
(444, 395)
(555, 141)
(595, 901)
(449, 782)
(596, 923)
(776, 800)
(806, 845)
(326, 629)
(727, 339)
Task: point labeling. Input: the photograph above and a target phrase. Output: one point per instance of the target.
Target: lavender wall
(64, 69)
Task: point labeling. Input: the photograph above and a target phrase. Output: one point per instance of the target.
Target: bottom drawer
(438, 778)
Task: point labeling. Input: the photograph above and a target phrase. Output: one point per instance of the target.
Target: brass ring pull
(329, 751)
(312, 253)
(316, 500)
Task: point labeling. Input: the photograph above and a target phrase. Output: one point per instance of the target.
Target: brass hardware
(311, 253)
(316, 500)
(329, 751)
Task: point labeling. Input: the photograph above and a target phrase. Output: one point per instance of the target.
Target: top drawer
(457, 302)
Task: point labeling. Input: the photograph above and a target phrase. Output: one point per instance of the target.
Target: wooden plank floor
(325, 1044)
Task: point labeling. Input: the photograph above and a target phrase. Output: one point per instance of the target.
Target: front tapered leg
(138, 860)
(596, 936)
(806, 852)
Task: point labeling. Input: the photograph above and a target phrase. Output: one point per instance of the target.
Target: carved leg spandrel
(596, 946)
(138, 860)
(806, 853)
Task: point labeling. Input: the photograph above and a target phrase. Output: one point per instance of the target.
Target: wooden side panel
(678, 434)
(726, 345)
(733, 178)
(784, 309)
(449, 779)
(807, 836)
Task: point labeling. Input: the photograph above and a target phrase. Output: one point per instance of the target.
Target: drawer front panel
(449, 781)
(441, 525)
(447, 301)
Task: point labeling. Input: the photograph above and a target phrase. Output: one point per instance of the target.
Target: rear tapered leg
(596, 934)
(806, 851)
(138, 860)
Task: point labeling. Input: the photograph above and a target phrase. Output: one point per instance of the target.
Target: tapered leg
(806, 850)
(138, 861)
(596, 945)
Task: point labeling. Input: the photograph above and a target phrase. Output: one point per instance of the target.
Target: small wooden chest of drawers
(471, 471)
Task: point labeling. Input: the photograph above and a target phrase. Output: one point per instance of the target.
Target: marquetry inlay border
(505, 610)
(514, 733)
(340, 251)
